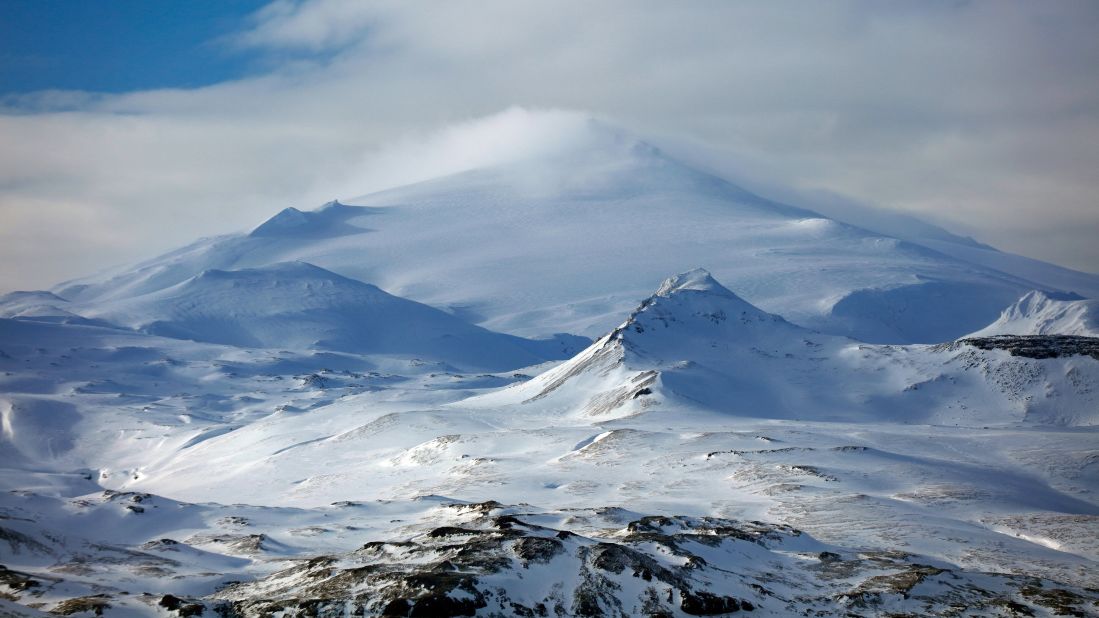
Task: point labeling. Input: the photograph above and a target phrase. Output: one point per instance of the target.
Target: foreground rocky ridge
(491, 559)
(499, 564)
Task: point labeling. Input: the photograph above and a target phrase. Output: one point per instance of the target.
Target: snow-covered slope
(503, 246)
(1050, 275)
(229, 430)
(16, 304)
(696, 344)
(1039, 313)
(300, 306)
(41, 306)
(855, 478)
(690, 319)
(909, 228)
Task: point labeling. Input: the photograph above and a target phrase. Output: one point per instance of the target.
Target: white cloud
(313, 26)
(981, 115)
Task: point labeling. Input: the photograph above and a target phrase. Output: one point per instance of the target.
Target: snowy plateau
(591, 380)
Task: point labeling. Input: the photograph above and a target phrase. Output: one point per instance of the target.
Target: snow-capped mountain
(1040, 313)
(694, 343)
(251, 426)
(502, 246)
(301, 307)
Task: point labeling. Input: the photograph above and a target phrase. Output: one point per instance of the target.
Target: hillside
(302, 307)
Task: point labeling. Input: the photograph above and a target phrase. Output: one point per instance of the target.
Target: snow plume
(515, 136)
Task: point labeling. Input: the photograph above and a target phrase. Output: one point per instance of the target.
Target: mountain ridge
(587, 206)
(1042, 313)
(696, 344)
(302, 306)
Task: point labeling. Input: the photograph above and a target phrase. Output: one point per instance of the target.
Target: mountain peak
(695, 304)
(697, 280)
(289, 218)
(1047, 313)
(328, 220)
(1036, 299)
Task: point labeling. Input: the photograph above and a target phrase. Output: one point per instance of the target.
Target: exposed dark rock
(649, 566)
(170, 602)
(1062, 602)
(707, 604)
(537, 549)
(169, 544)
(443, 531)
(245, 544)
(434, 606)
(191, 609)
(483, 508)
(95, 604)
(16, 580)
(505, 522)
(1038, 346)
(397, 607)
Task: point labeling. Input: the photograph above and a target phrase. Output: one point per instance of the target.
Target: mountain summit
(696, 344)
(698, 280)
(693, 305)
(1040, 313)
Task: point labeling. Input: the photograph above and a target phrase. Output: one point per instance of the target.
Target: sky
(132, 127)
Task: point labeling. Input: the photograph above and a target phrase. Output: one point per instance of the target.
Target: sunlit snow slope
(695, 344)
(704, 455)
(1037, 313)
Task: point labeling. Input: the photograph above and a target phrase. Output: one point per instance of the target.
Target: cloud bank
(983, 116)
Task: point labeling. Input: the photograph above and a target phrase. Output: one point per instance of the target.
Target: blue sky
(130, 127)
(121, 45)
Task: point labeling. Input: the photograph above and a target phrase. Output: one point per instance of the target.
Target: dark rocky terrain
(1038, 346)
